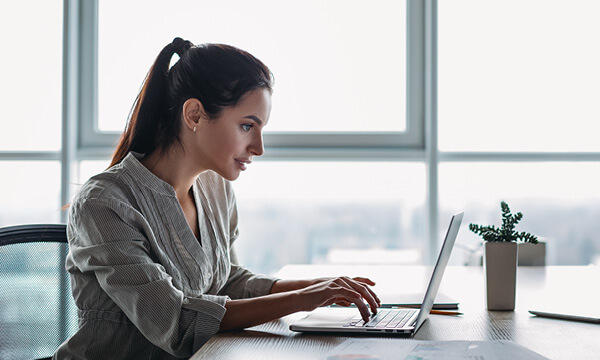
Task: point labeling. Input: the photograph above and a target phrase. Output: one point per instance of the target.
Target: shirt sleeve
(242, 283)
(109, 238)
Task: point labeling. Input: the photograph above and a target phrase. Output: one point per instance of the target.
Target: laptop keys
(383, 319)
(379, 317)
(401, 321)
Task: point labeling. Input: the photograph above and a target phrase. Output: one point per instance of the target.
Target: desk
(555, 339)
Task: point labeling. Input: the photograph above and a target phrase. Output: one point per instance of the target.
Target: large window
(30, 192)
(388, 116)
(331, 212)
(30, 168)
(339, 65)
(343, 73)
(518, 76)
(558, 201)
(30, 101)
(30, 111)
(359, 84)
(501, 91)
(518, 121)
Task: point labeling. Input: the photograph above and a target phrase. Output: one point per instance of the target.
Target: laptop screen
(438, 270)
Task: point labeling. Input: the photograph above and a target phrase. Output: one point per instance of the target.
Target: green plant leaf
(507, 231)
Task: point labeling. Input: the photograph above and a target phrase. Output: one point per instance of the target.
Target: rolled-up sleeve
(109, 239)
(243, 283)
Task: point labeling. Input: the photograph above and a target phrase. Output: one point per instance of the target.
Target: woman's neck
(174, 168)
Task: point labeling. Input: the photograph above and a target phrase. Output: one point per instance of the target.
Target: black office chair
(36, 307)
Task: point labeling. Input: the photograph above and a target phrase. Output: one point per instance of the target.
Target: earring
(194, 129)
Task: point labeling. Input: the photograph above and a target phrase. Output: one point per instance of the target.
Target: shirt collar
(132, 164)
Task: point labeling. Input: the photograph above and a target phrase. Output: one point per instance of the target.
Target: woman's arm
(245, 313)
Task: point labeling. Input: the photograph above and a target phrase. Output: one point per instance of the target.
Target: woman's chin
(230, 175)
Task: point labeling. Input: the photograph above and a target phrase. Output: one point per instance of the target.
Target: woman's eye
(246, 127)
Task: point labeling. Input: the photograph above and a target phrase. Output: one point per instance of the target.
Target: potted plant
(501, 258)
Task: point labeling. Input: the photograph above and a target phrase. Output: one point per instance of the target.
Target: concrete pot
(500, 274)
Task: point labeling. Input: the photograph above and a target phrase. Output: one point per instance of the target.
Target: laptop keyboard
(387, 319)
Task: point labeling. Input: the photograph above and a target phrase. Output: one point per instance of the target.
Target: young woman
(153, 269)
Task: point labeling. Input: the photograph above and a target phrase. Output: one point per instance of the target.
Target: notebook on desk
(442, 301)
(388, 321)
(414, 300)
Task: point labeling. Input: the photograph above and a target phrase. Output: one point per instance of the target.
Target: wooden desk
(555, 339)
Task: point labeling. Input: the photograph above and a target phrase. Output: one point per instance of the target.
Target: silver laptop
(386, 321)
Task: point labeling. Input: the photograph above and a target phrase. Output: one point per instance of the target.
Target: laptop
(387, 321)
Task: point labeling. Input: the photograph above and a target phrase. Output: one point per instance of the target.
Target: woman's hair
(217, 75)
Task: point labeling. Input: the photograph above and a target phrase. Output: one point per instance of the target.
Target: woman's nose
(257, 147)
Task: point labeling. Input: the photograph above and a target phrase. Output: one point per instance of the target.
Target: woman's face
(227, 144)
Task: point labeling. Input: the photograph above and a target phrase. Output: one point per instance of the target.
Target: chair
(36, 308)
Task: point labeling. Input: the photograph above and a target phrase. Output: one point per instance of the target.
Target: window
(30, 90)
(30, 192)
(353, 93)
(502, 91)
(340, 82)
(558, 202)
(518, 80)
(517, 119)
(330, 212)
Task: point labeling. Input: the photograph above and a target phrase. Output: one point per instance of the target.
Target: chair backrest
(36, 307)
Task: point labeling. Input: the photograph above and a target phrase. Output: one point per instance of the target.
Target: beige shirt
(145, 287)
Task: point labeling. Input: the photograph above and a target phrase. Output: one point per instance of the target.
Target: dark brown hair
(217, 75)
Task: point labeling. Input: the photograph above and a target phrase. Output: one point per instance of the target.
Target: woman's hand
(342, 291)
(364, 281)
(290, 296)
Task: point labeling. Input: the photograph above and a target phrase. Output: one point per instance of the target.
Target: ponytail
(145, 127)
(217, 75)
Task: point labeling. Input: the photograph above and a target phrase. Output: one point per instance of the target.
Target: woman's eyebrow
(255, 118)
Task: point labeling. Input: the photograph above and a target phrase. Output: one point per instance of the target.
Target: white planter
(501, 274)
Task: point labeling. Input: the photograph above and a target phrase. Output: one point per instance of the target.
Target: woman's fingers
(343, 302)
(356, 298)
(365, 280)
(364, 292)
(345, 291)
(369, 282)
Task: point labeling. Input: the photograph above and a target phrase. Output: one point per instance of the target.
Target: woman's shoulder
(107, 184)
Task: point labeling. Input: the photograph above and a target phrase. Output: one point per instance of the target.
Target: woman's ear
(193, 112)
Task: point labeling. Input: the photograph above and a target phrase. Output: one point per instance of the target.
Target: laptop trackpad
(324, 317)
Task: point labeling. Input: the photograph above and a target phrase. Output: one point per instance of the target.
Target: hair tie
(180, 46)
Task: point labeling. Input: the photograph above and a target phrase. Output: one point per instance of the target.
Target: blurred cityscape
(275, 234)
